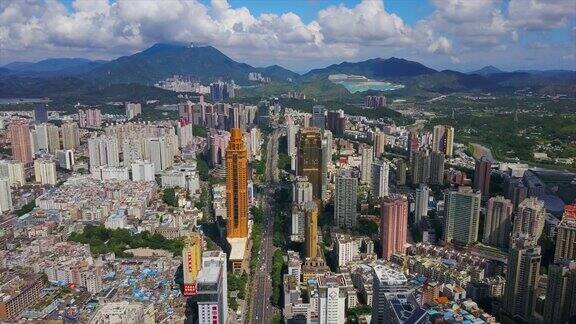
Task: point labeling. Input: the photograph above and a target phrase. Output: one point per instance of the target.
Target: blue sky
(301, 34)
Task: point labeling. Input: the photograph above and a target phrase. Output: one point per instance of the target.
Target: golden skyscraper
(192, 262)
(237, 186)
(309, 142)
(311, 230)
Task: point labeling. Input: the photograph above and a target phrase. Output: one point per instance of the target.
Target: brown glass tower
(309, 142)
(237, 186)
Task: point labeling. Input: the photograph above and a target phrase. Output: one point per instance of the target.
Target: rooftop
(388, 275)
(406, 307)
(238, 247)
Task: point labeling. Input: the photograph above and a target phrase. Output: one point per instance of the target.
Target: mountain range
(208, 64)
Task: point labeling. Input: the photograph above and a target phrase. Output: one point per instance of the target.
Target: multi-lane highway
(261, 290)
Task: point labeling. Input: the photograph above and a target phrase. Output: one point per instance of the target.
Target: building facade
(237, 186)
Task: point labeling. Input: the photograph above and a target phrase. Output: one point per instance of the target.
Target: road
(261, 309)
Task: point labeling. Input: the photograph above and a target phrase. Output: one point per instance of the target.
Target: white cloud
(541, 15)
(34, 29)
(471, 22)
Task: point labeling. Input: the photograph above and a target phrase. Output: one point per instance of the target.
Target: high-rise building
(379, 144)
(221, 90)
(413, 144)
(566, 235)
(160, 154)
(91, 118)
(420, 168)
(218, 141)
(516, 191)
(522, 277)
(336, 122)
(375, 101)
(191, 262)
(366, 164)
(461, 215)
(103, 150)
(13, 171)
(436, 168)
(142, 171)
(309, 163)
(443, 139)
(449, 141)
(326, 158)
(482, 176)
(47, 138)
(387, 286)
(237, 186)
(70, 135)
(5, 195)
(332, 298)
(560, 303)
(319, 117)
(40, 114)
(184, 133)
(212, 289)
(498, 222)
(345, 199)
(421, 203)
(45, 171)
(393, 225)
(19, 134)
(311, 230)
(401, 172)
(301, 191)
(530, 217)
(65, 159)
(132, 110)
(291, 131)
(380, 170)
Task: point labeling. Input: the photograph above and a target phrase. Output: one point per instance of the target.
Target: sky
(461, 35)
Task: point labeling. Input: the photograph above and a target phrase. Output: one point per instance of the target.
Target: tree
(169, 197)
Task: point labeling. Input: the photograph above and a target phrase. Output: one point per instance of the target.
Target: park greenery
(169, 197)
(103, 240)
(258, 217)
(199, 130)
(277, 266)
(26, 208)
(237, 282)
(512, 129)
(353, 313)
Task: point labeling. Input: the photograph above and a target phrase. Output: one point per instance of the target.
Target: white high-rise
(132, 150)
(159, 153)
(47, 138)
(327, 140)
(13, 171)
(379, 178)
(421, 203)
(65, 159)
(366, 165)
(291, 131)
(301, 191)
(142, 171)
(184, 133)
(45, 171)
(5, 195)
(212, 289)
(103, 150)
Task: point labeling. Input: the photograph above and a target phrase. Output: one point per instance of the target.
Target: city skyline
(188, 183)
(459, 35)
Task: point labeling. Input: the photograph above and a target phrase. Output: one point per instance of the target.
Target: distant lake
(12, 101)
(359, 83)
